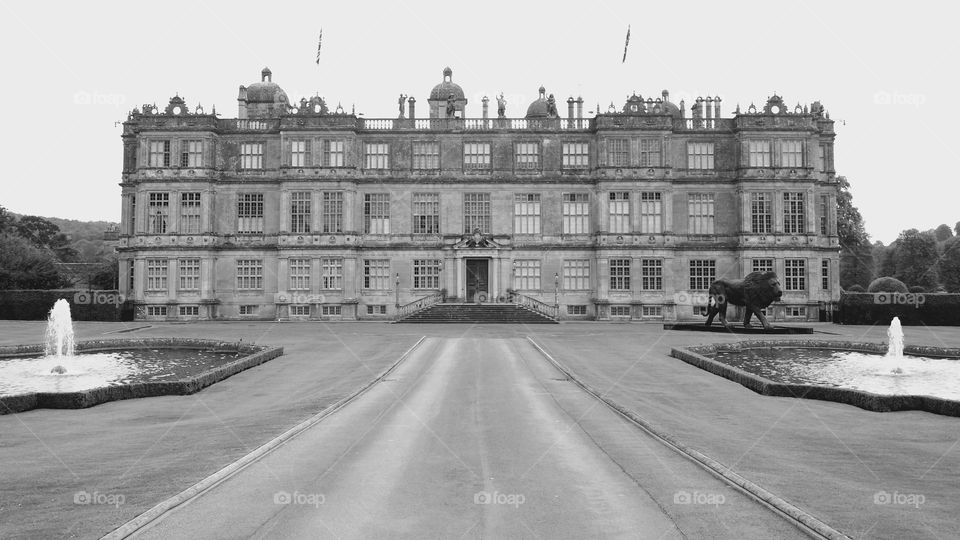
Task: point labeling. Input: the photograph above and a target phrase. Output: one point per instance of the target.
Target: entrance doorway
(478, 273)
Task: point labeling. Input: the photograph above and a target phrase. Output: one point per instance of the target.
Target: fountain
(63, 374)
(876, 376)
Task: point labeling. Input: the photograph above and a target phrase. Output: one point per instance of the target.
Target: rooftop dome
(266, 91)
(637, 105)
(540, 108)
(443, 90)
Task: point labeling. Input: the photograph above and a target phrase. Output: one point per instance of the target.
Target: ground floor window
(619, 311)
(577, 310)
(248, 310)
(189, 311)
(300, 310)
(156, 311)
(426, 273)
(330, 310)
(797, 311)
(654, 312)
(377, 310)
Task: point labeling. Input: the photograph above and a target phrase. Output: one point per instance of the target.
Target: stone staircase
(477, 313)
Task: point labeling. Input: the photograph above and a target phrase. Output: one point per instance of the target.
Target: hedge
(912, 308)
(34, 305)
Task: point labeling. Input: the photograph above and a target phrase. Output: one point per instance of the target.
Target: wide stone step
(477, 313)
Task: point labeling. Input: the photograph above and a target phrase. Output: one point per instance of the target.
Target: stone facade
(299, 211)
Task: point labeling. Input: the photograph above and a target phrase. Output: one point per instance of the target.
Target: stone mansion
(295, 210)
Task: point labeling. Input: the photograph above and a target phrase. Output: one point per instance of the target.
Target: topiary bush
(887, 284)
(917, 289)
(856, 288)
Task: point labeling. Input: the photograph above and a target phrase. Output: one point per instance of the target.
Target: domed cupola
(447, 96)
(543, 106)
(263, 99)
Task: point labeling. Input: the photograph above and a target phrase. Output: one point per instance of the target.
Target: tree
(916, 259)
(7, 220)
(943, 232)
(38, 230)
(856, 255)
(26, 266)
(949, 266)
(956, 228)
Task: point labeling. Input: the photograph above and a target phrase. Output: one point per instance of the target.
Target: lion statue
(755, 292)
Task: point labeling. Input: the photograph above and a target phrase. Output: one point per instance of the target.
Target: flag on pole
(319, 44)
(625, 45)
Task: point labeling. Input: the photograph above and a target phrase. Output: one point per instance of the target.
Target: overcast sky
(886, 72)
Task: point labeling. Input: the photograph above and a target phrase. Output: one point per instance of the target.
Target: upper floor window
(650, 152)
(332, 211)
(426, 156)
(758, 153)
(824, 214)
(794, 213)
(619, 274)
(703, 272)
(159, 154)
(190, 212)
(331, 274)
(619, 208)
(476, 156)
(476, 212)
(700, 155)
(376, 156)
(426, 273)
(299, 274)
(701, 213)
(575, 155)
(825, 274)
(761, 213)
(576, 274)
(158, 208)
(762, 265)
(251, 155)
(376, 274)
(376, 213)
(426, 213)
(250, 213)
(526, 275)
(618, 152)
(300, 212)
(299, 153)
(527, 155)
(791, 153)
(825, 159)
(189, 273)
(651, 274)
(576, 213)
(795, 274)
(249, 274)
(191, 153)
(156, 275)
(333, 154)
(526, 213)
(651, 212)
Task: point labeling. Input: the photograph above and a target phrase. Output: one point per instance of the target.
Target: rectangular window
(426, 156)
(300, 310)
(426, 213)
(575, 155)
(526, 213)
(762, 265)
(791, 153)
(795, 274)
(331, 274)
(577, 310)
(133, 214)
(376, 274)
(156, 311)
(700, 155)
(651, 210)
(426, 273)
(619, 274)
(249, 275)
(823, 159)
(190, 213)
(158, 207)
(653, 312)
(379, 309)
(576, 275)
(619, 212)
(131, 278)
(476, 212)
(825, 274)
(758, 153)
(618, 152)
(189, 272)
(300, 212)
(797, 311)
(761, 213)
(649, 152)
(248, 309)
(250, 213)
(251, 156)
(651, 274)
(189, 311)
(376, 213)
(527, 155)
(159, 154)
(333, 153)
(619, 311)
(476, 156)
(526, 275)
(299, 274)
(191, 153)
(332, 310)
(376, 155)
(332, 211)
(157, 275)
(701, 213)
(703, 272)
(299, 153)
(576, 213)
(794, 213)
(824, 214)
